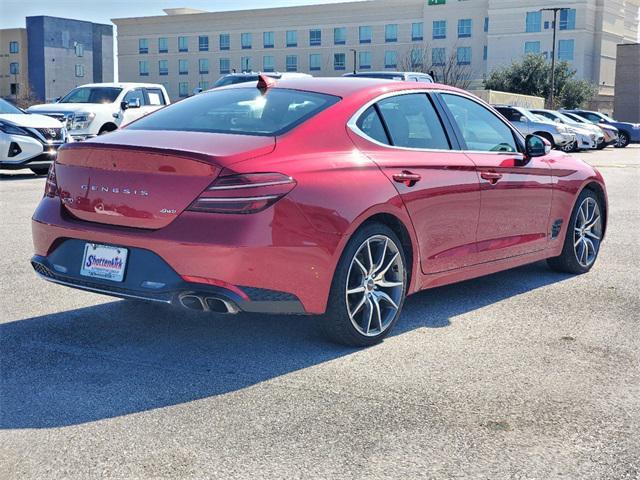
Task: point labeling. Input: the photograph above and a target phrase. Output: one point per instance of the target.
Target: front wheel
(570, 147)
(623, 140)
(583, 237)
(368, 289)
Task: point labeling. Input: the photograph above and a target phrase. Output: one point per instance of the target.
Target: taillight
(51, 185)
(243, 193)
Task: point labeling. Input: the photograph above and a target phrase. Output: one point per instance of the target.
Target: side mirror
(536, 146)
(133, 103)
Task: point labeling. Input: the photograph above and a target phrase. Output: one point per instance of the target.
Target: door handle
(492, 177)
(407, 177)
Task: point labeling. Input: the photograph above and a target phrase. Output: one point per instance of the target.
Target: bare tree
(25, 98)
(445, 69)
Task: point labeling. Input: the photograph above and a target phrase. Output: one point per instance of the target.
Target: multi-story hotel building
(186, 49)
(53, 55)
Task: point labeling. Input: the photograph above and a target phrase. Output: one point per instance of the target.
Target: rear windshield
(239, 110)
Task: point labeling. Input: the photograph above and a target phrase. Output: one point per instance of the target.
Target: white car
(98, 108)
(588, 137)
(28, 141)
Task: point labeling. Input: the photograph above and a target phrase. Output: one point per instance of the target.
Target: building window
(292, 38)
(183, 67)
(485, 52)
(79, 48)
(203, 43)
(565, 50)
(568, 19)
(315, 37)
(417, 31)
(14, 88)
(531, 47)
(268, 64)
(439, 29)
(163, 45)
(245, 64)
(486, 24)
(143, 45)
(203, 85)
(315, 62)
(438, 57)
(225, 65)
(143, 68)
(14, 68)
(364, 60)
(464, 56)
(391, 33)
(416, 58)
(163, 67)
(390, 59)
(225, 41)
(364, 34)
(245, 41)
(339, 60)
(340, 35)
(183, 44)
(79, 70)
(268, 39)
(464, 28)
(183, 89)
(292, 63)
(533, 22)
(14, 47)
(203, 66)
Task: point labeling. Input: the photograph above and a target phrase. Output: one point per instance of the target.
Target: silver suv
(557, 134)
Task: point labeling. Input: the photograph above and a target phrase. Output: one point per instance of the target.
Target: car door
(131, 114)
(515, 193)
(438, 185)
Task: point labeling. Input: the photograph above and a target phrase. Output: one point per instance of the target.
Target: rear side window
(371, 125)
(481, 129)
(241, 111)
(412, 122)
(155, 96)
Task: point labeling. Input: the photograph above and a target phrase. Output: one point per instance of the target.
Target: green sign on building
(436, 2)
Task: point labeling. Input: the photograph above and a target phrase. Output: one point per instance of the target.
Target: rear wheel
(368, 289)
(40, 170)
(623, 140)
(583, 237)
(570, 147)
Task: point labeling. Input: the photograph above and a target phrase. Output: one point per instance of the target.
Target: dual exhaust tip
(207, 303)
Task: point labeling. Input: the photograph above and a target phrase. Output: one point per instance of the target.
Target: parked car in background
(28, 140)
(404, 76)
(558, 135)
(245, 77)
(588, 137)
(98, 108)
(627, 132)
(337, 197)
(610, 132)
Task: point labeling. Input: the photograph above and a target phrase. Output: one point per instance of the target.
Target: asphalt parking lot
(525, 374)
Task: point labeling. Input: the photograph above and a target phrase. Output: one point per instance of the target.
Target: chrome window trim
(352, 123)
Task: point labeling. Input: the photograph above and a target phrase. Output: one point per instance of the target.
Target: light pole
(555, 11)
(355, 53)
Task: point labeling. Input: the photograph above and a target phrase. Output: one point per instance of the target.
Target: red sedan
(313, 196)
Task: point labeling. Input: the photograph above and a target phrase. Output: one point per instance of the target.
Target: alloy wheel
(375, 285)
(587, 232)
(623, 140)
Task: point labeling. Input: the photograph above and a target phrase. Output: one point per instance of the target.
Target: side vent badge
(556, 228)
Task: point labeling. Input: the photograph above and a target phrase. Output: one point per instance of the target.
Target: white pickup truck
(94, 109)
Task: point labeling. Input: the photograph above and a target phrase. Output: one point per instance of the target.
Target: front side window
(339, 61)
(417, 31)
(143, 68)
(439, 29)
(268, 39)
(531, 47)
(225, 41)
(464, 28)
(135, 95)
(364, 60)
(241, 111)
(533, 22)
(464, 55)
(568, 19)
(268, 64)
(292, 38)
(365, 34)
(565, 50)
(340, 35)
(143, 45)
(91, 95)
(315, 37)
(183, 44)
(14, 47)
(481, 129)
(163, 45)
(315, 62)
(412, 122)
(183, 67)
(203, 43)
(292, 63)
(245, 40)
(370, 124)
(391, 33)
(225, 65)
(390, 59)
(163, 67)
(14, 68)
(203, 66)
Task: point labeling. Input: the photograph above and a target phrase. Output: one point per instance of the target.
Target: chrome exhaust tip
(220, 305)
(193, 301)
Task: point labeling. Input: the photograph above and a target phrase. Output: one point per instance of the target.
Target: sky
(13, 12)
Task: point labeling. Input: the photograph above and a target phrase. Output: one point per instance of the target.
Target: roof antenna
(265, 82)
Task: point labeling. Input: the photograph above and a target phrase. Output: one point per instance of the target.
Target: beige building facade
(186, 49)
(14, 67)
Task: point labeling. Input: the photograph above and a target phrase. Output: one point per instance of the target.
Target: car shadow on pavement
(19, 176)
(125, 357)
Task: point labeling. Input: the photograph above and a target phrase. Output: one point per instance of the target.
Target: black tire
(107, 129)
(623, 140)
(568, 261)
(602, 145)
(40, 170)
(336, 322)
